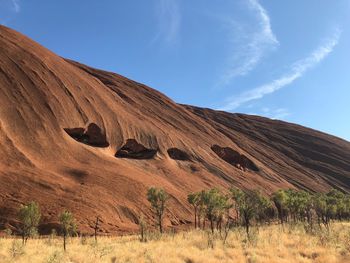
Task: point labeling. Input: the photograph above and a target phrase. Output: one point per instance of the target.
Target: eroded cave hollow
(234, 158)
(177, 154)
(92, 135)
(134, 150)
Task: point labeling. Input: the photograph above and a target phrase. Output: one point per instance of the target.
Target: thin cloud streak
(9, 8)
(297, 70)
(275, 114)
(169, 20)
(16, 5)
(254, 49)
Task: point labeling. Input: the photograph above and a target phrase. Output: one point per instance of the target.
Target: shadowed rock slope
(90, 141)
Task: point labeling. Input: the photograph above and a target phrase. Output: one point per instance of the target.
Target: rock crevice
(134, 150)
(177, 154)
(92, 135)
(234, 158)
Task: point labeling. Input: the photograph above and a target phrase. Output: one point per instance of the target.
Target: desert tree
(68, 226)
(292, 204)
(195, 200)
(226, 229)
(158, 198)
(346, 207)
(250, 205)
(96, 227)
(215, 204)
(326, 207)
(266, 210)
(306, 207)
(298, 204)
(236, 194)
(29, 216)
(331, 205)
(336, 201)
(201, 210)
(223, 211)
(321, 209)
(227, 216)
(280, 199)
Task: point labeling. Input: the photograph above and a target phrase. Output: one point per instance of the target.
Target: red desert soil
(90, 141)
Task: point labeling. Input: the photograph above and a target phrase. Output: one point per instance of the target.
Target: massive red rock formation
(45, 100)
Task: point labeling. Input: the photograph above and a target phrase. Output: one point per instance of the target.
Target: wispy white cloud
(8, 8)
(169, 20)
(16, 5)
(250, 47)
(277, 114)
(297, 70)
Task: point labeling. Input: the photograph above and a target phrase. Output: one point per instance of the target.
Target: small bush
(51, 238)
(29, 215)
(100, 251)
(347, 241)
(143, 228)
(83, 240)
(68, 226)
(8, 232)
(56, 257)
(211, 238)
(16, 249)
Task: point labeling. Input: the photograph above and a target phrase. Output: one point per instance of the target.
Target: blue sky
(287, 60)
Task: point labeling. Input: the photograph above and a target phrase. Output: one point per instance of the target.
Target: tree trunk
(280, 212)
(212, 225)
(96, 227)
(160, 224)
(195, 218)
(142, 234)
(246, 221)
(64, 242)
(247, 229)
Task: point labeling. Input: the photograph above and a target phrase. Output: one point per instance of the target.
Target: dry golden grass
(268, 244)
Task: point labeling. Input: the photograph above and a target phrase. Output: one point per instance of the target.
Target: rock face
(234, 158)
(92, 135)
(134, 150)
(42, 94)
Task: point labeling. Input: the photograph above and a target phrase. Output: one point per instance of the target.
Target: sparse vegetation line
(243, 219)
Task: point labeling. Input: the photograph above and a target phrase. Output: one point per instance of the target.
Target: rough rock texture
(41, 94)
